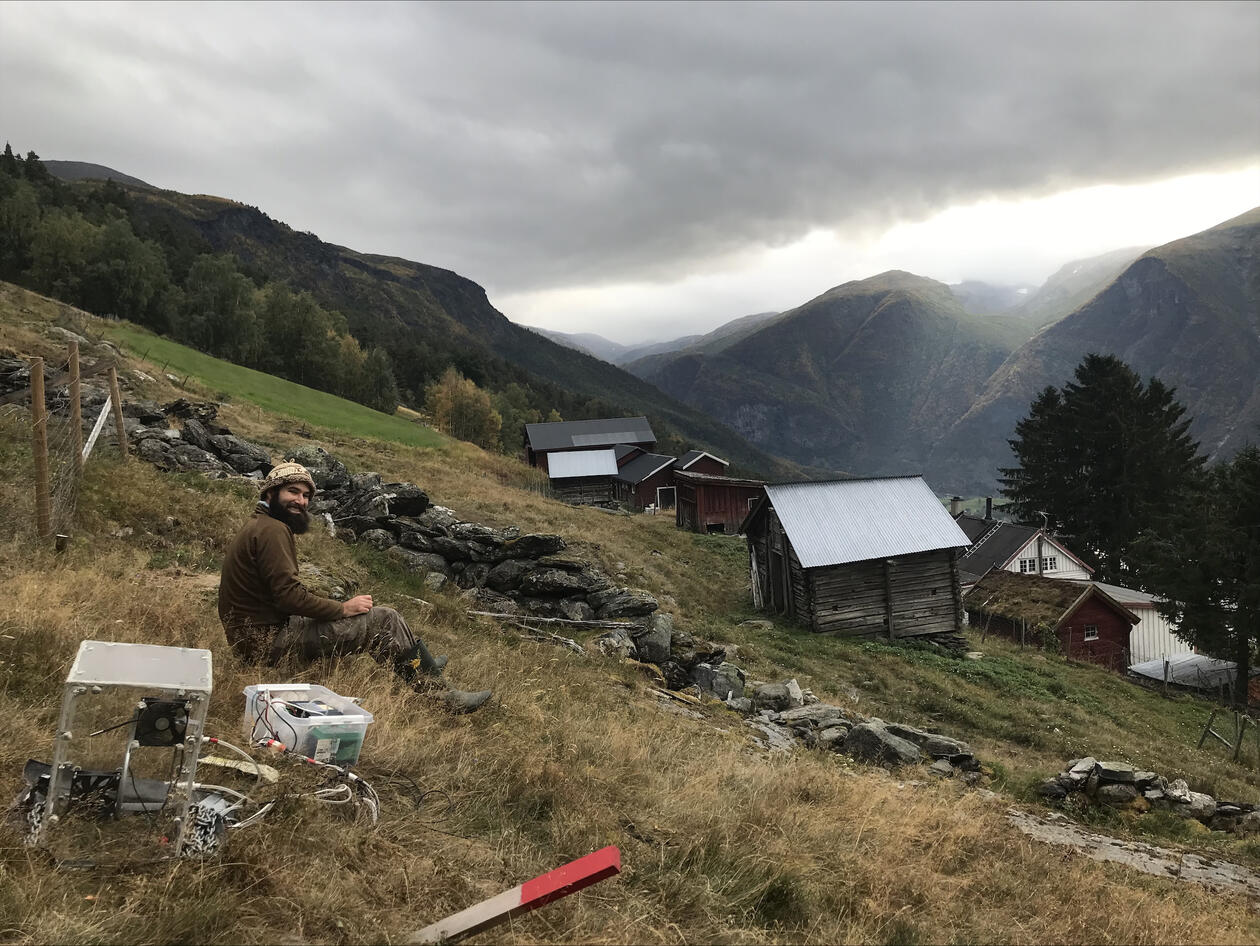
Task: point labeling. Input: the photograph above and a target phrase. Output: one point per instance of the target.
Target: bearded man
(267, 613)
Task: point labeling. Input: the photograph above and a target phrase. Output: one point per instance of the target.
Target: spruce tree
(1203, 558)
(1100, 460)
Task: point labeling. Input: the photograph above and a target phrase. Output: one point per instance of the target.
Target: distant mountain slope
(860, 378)
(1074, 284)
(84, 171)
(588, 343)
(984, 298)
(1187, 312)
(423, 313)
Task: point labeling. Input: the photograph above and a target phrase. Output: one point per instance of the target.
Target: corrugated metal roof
(845, 521)
(565, 434)
(641, 467)
(1129, 597)
(569, 463)
(1190, 670)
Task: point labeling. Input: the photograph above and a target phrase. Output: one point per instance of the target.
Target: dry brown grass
(719, 842)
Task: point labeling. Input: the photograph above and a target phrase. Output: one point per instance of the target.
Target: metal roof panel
(569, 463)
(563, 435)
(834, 523)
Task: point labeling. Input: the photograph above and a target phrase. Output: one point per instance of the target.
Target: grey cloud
(540, 145)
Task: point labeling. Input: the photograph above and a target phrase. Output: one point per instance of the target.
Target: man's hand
(359, 604)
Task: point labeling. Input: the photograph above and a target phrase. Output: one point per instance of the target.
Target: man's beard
(298, 522)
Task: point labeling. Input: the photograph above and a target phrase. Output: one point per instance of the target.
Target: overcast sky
(647, 170)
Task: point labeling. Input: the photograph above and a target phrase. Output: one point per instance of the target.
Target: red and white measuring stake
(530, 895)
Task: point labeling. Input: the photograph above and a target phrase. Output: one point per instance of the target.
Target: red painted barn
(646, 479)
(709, 503)
(1088, 623)
(698, 461)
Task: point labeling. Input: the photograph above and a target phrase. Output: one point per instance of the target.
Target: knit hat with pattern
(287, 473)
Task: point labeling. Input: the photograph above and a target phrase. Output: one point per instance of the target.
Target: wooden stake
(76, 410)
(542, 890)
(116, 396)
(39, 436)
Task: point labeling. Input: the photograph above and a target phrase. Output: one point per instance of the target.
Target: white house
(1006, 546)
(1155, 637)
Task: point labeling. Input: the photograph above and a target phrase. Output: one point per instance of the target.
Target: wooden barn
(645, 479)
(857, 557)
(542, 440)
(699, 461)
(583, 477)
(708, 503)
(1087, 622)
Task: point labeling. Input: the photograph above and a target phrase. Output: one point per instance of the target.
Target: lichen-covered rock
(872, 742)
(772, 696)
(616, 643)
(723, 681)
(818, 715)
(621, 603)
(1116, 794)
(533, 546)
(575, 609)
(831, 738)
(933, 744)
(329, 473)
(506, 575)
(473, 575)
(551, 582)
(419, 561)
(378, 539)
(653, 640)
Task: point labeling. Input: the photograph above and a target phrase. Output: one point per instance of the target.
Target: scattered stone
(933, 744)
(653, 642)
(724, 681)
(741, 704)
(795, 696)
(941, 768)
(871, 741)
(621, 603)
(435, 581)
(772, 696)
(1116, 772)
(1116, 794)
(616, 643)
(419, 561)
(817, 715)
(831, 738)
(378, 539)
(1052, 789)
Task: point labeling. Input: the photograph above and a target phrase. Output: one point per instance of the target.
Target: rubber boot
(462, 701)
(418, 662)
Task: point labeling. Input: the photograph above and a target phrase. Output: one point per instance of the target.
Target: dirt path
(1162, 862)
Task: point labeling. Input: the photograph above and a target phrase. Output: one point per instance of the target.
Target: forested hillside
(233, 282)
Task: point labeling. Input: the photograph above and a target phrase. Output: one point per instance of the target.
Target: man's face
(288, 504)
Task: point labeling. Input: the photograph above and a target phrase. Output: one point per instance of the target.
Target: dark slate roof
(691, 456)
(974, 526)
(994, 548)
(570, 434)
(640, 468)
(623, 450)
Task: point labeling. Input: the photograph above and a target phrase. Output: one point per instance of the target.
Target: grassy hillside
(304, 405)
(720, 843)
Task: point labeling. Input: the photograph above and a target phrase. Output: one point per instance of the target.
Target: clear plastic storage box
(310, 719)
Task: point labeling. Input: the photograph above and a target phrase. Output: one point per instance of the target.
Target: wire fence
(54, 422)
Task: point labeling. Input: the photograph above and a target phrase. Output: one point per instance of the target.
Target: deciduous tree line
(1108, 463)
(79, 245)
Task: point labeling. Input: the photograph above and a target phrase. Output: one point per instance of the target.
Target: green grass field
(271, 393)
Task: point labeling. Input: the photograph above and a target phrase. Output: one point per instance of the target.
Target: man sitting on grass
(268, 613)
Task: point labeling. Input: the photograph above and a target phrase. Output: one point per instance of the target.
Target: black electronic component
(162, 723)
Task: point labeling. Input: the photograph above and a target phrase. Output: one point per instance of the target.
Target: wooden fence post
(76, 411)
(39, 436)
(116, 394)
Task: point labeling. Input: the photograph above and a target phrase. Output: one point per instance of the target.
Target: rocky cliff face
(1187, 313)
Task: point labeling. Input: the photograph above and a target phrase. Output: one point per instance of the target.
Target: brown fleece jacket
(259, 584)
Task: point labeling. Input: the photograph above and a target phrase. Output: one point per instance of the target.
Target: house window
(1091, 632)
(1027, 566)
(1050, 563)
